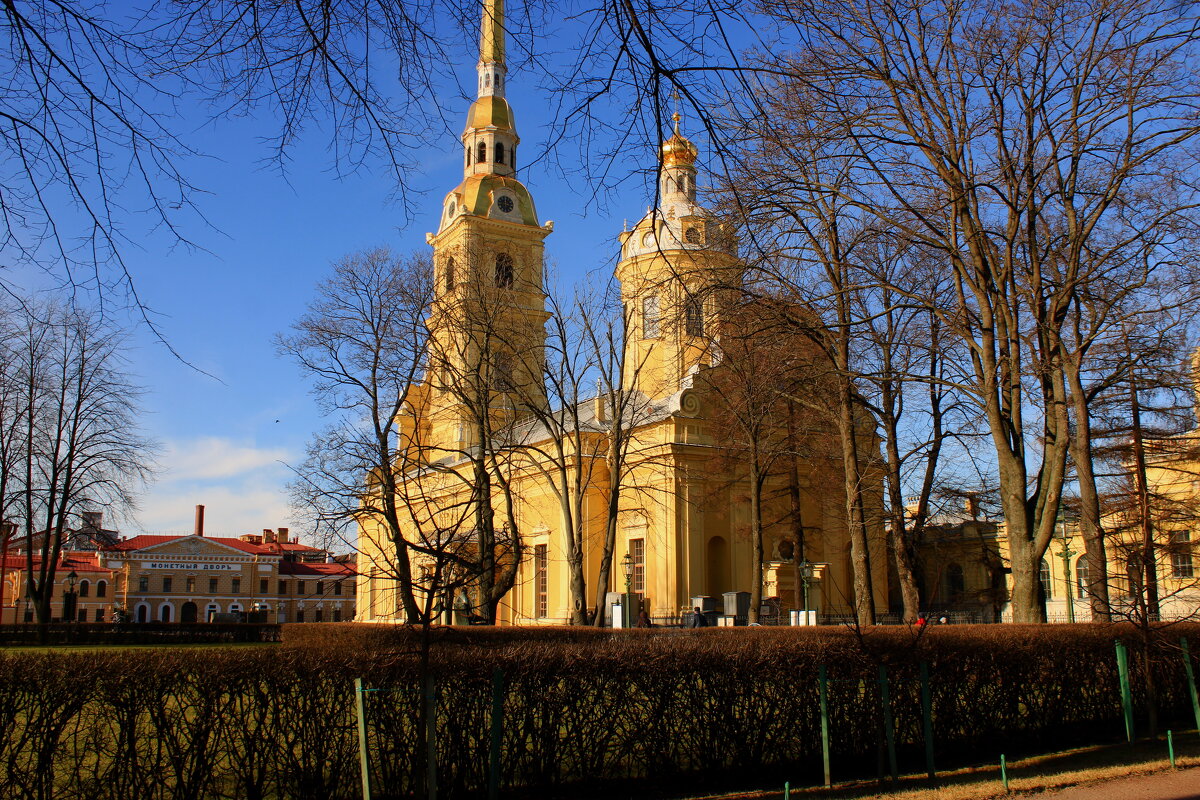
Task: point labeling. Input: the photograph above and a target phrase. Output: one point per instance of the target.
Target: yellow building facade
(683, 520)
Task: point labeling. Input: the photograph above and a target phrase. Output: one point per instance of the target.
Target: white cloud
(240, 486)
(215, 458)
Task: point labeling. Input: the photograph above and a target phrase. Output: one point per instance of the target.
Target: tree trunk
(756, 537)
(1089, 498)
(860, 555)
(1149, 558)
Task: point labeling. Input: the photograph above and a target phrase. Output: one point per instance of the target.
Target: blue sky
(229, 437)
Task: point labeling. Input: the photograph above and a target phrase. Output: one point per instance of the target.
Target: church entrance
(718, 566)
(188, 612)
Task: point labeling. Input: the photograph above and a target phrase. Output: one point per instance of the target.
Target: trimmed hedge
(160, 633)
(584, 711)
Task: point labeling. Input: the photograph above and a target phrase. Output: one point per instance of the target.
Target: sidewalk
(1183, 784)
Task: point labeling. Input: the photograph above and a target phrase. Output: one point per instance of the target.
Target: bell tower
(677, 266)
(487, 336)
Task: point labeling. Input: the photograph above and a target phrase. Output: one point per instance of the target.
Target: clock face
(648, 240)
(506, 204)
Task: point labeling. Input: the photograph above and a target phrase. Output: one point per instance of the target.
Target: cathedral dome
(678, 150)
(491, 112)
(492, 196)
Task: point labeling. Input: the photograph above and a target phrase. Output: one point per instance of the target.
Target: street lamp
(1065, 554)
(627, 568)
(69, 599)
(806, 574)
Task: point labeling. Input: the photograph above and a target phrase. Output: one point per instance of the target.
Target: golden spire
(491, 38)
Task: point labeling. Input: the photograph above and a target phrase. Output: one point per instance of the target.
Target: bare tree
(363, 345)
(766, 363)
(73, 441)
(1018, 143)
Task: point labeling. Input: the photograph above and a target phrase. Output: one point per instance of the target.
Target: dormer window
(482, 153)
(504, 271)
(692, 235)
(499, 153)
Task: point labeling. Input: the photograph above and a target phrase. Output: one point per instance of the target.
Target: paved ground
(1181, 784)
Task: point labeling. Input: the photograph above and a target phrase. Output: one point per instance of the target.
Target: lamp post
(627, 568)
(1065, 555)
(69, 598)
(806, 573)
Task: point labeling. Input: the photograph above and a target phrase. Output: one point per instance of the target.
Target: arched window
(1044, 578)
(499, 153)
(449, 274)
(512, 157)
(102, 589)
(502, 372)
(650, 317)
(468, 155)
(692, 235)
(487, 80)
(84, 589)
(693, 317)
(669, 187)
(482, 152)
(1083, 577)
(956, 585)
(504, 271)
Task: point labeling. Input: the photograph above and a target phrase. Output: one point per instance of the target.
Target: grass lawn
(1033, 775)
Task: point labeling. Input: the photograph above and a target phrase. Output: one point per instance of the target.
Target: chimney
(92, 520)
(283, 535)
(199, 520)
(268, 535)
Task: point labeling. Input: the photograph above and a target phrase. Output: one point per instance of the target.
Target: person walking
(698, 620)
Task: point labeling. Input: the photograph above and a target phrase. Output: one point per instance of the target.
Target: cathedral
(682, 522)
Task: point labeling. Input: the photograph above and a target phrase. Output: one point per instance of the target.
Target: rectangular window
(144, 584)
(337, 615)
(166, 585)
(191, 584)
(540, 580)
(637, 551)
(337, 587)
(99, 615)
(1181, 555)
(320, 587)
(263, 585)
(300, 615)
(650, 317)
(236, 586)
(283, 587)
(299, 587)
(212, 585)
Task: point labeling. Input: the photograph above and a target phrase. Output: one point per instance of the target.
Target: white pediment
(192, 547)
